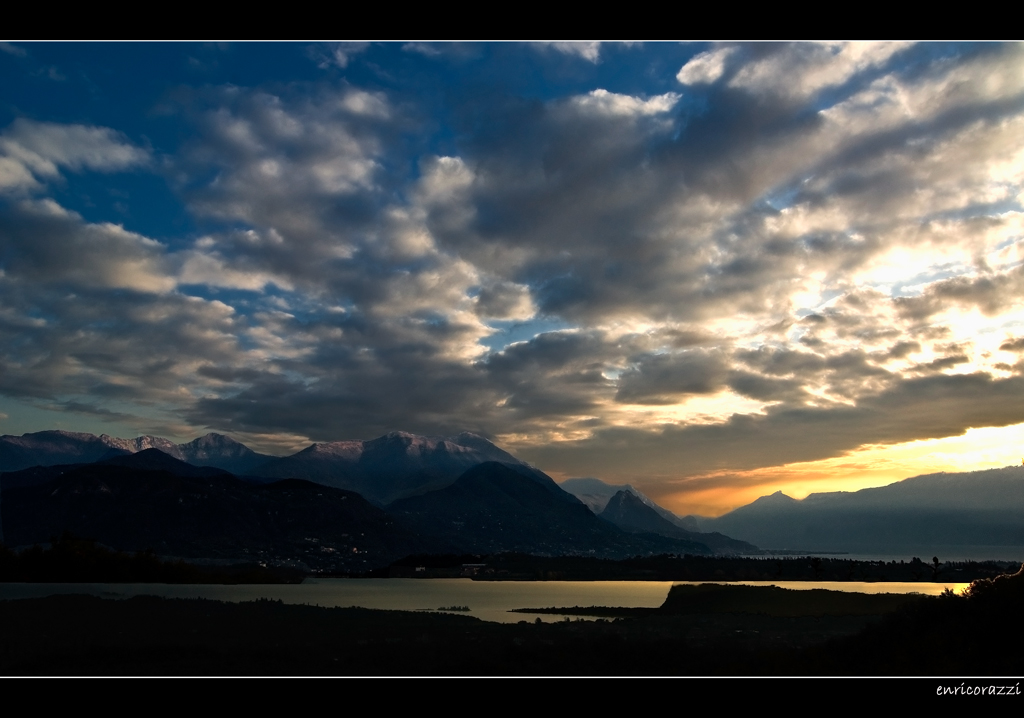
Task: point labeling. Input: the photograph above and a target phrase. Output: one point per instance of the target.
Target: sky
(711, 270)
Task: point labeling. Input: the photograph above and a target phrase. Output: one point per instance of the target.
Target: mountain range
(964, 509)
(390, 467)
(382, 470)
(416, 494)
(49, 448)
(630, 513)
(434, 488)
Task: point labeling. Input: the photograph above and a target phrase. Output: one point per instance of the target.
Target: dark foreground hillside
(742, 635)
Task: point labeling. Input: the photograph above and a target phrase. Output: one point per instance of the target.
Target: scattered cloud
(705, 68)
(801, 69)
(12, 49)
(585, 49)
(34, 152)
(337, 54)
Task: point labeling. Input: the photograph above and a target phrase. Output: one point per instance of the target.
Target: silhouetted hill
(493, 508)
(157, 460)
(213, 516)
(145, 460)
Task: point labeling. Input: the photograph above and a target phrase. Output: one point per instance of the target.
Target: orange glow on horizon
(717, 493)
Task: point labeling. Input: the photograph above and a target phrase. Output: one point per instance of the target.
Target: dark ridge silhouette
(976, 634)
(493, 508)
(627, 511)
(146, 460)
(157, 460)
(774, 601)
(205, 513)
(596, 494)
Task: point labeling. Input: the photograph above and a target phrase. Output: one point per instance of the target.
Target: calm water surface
(487, 600)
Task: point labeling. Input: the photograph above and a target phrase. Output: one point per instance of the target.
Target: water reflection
(487, 600)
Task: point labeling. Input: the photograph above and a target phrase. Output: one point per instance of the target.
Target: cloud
(336, 54)
(587, 50)
(705, 68)
(213, 270)
(608, 103)
(14, 175)
(46, 244)
(666, 378)
(801, 69)
(912, 409)
(993, 294)
(1013, 345)
(505, 300)
(33, 151)
(422, 48)
(112, 345)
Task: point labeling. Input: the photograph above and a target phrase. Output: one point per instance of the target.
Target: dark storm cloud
(357, 395)
(768, 389)
(89, 310)
(901, 349)
(782, 362)
(555, 374)
(118, 344)
(504, 300)
(45, 243)
(913, 409)
(848, 374)
(943, 363)
(665, 379)
(989, 294)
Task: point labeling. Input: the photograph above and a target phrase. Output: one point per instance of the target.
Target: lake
(487, 600)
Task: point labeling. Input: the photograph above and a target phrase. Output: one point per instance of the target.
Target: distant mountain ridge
(393, 466)
(630, 513)
(383, 469)
(978, 508)
(50, 448)
(596, 494)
